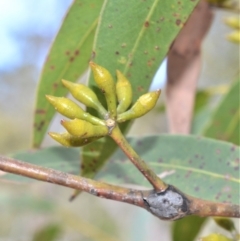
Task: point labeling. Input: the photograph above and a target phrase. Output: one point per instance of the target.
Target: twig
(93, 187)
(150, 175)
(170, 204)
(206, 208)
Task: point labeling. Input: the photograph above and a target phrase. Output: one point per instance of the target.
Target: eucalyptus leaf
(67, 59)
(187, 228)
(133, 37)
(201, 167)
(225, 122)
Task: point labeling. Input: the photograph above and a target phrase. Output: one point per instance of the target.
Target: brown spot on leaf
(76, 52)
(130, 64)
(67, 53)
(52, 67)
(178, 22)
(40, 125)
(188, 174)
(201, 166)
(117, 53)
(129, 75)
(176, 15)
(233, 148)
(140, 88)
(93, 55)
(149, 63)
(146, 24)
(196, 189)
(40, 111)
(71, 59)
(55, 85)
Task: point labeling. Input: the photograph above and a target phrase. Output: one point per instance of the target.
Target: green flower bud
(71, 110)
(68, 140)
(142, 106)
(85, 95)
(84, 129)
(234, 37)
(215, 237)
(225, 223)
(124, 92)
(106, 84)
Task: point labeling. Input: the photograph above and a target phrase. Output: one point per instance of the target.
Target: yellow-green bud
(215, 237)
(65, 106)
(84, 129)
(124, 92)
(142, 106)
(68, 140)
(85, 95)
(106, 84)
(234, 37)
(71, 110)
(225, 223)
(233, 22)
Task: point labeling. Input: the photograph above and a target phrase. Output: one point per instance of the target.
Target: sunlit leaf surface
(133, 37)
(67, 59)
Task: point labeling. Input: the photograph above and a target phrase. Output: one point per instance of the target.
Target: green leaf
(225, 122)
(201, 119)
(201, 167)
(48, 233)
(201, 100)
(133, 37)
(67, 59)
(187, 228)
(56, 157)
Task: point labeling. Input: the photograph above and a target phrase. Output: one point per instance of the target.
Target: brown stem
(206, 208)
(170, 204)
(96, 188)
(150, 175)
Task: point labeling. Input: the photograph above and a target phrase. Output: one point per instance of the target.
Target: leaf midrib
(140, 35)
(207, 173)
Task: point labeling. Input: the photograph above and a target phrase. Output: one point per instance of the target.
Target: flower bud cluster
(83, 128)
